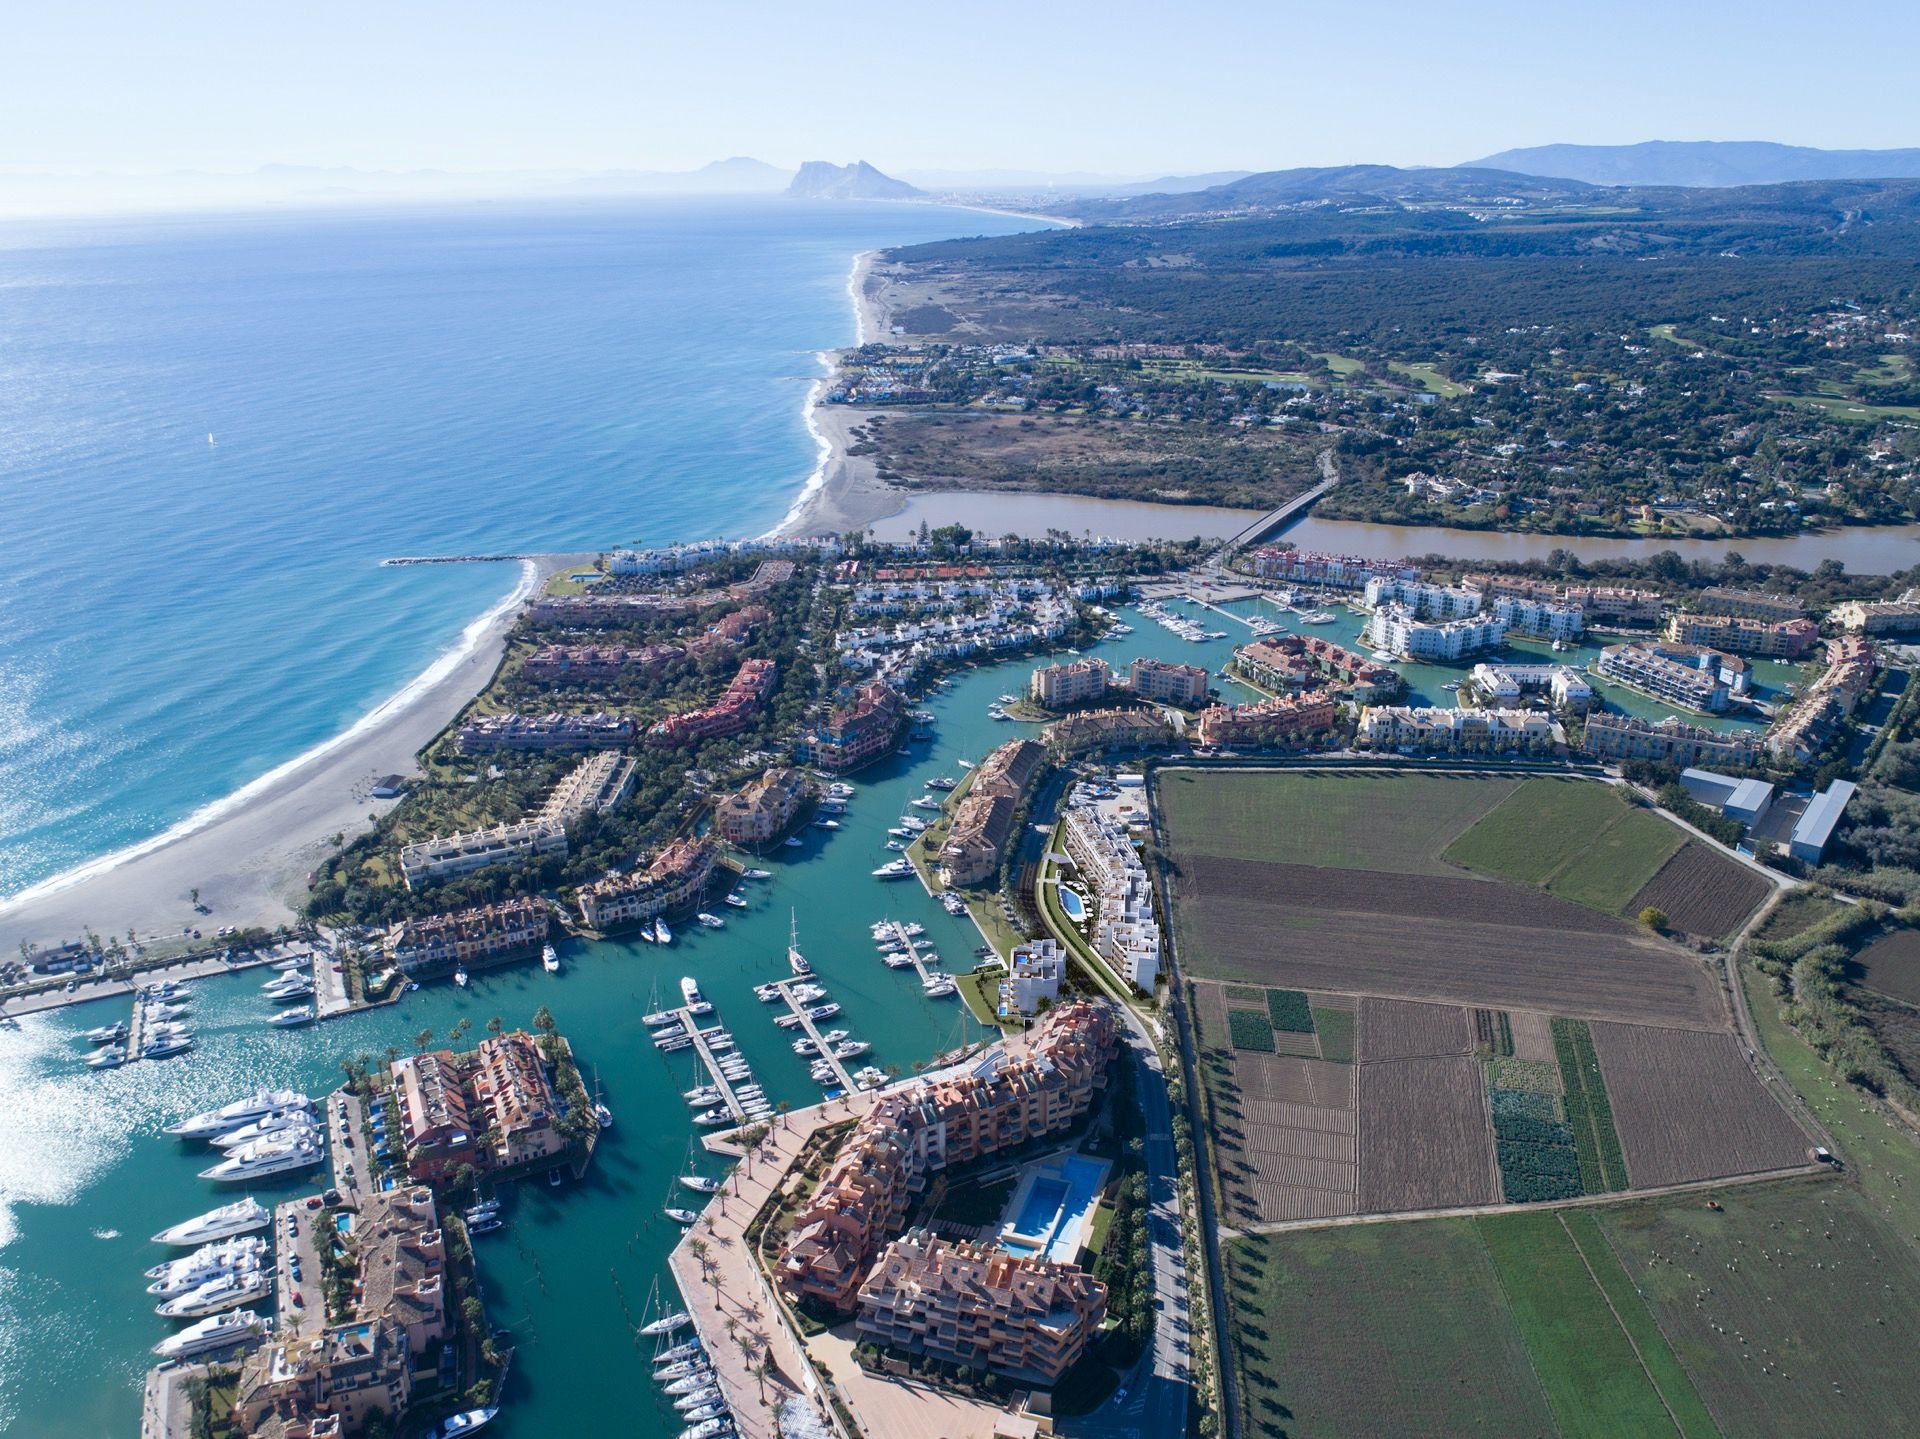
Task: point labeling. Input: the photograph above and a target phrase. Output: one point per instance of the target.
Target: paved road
(1157, 1392)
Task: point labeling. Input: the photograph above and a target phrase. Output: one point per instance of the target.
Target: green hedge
(1250, 1030)
(1289, 1010)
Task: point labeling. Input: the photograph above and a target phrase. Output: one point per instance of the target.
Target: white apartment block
(1439, 602)
(1502, 684)
(1432, 729)
(1038, 970)
(1541, 619)
(1124, 932)
(432, 860)
(1399, 632)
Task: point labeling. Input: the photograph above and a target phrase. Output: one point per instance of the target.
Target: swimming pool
(1052, 1207)
(1074, 906)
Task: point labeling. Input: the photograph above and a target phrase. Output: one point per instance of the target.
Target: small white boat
(106, 1033)
(757, 874)
(698, 1399)
(697, 1377)
(292, 1018)
(464, 1422)
(679, 1352)
(681, 1216)
(894, 869)
(926, 801)
(549, 959)
(939, 987)
(106, 1059)
(700, 1183)
(460, 976)
(690, 989)
(952, 903)
(943, 782)
(826, 824)
(713, 1118)
(792, 841)
(702, 1098)
(707, 1429)
(851, 1049)
(711, 921)
(735, 901)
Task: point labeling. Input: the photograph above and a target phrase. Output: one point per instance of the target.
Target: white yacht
(894, 869)
(939, 987)
(549, 959)
(680, 1216)
(292, 1018)
(460, 976)
(851, 1049)
(700, 1183)
(106, 1033)
(689, 1350)
(733, 900)
(162, 1045)
(107, 1058)
(271, 1155)
(667, 1323)
(215, 1333)
(184, 1281)
(240, 1217)
(690, 990)
(661, 934)
(272, 1122)
(711, 921)
(465, 1422)
(759, 873)
(241, 1111)
(227, 1292)
(206, 1262)
(796, 961)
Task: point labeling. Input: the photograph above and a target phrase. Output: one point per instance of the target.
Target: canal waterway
(86, 1173)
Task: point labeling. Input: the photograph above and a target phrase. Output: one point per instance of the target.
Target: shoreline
(247, 852)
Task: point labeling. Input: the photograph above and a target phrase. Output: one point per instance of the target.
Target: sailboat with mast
(796, 961)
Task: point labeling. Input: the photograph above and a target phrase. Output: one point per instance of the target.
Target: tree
(1653, 917)
(494, 1026)
(423, 1041)
(193, 895)
(543, 1020)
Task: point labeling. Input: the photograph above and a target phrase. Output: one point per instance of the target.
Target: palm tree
(760, 1370)
(494, 1026)
(783, 1108)
(423, 1041)
(193, 895)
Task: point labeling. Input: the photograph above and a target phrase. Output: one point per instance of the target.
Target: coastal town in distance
(873, 798)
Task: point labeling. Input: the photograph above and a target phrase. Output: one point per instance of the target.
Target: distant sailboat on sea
(209, 437)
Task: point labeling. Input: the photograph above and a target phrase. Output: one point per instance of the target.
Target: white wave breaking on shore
(443, 664)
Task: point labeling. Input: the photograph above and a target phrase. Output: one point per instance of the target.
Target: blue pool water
(1041, 1211)
(1069, 901)
(1053, 1214)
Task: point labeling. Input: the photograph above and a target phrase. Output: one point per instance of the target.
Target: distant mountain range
(1358, 184)
(1703, 163)
(823, 180)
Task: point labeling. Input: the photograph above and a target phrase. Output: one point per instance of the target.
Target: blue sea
(212, 429)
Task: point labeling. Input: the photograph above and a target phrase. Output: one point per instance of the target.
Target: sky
(1115, 87)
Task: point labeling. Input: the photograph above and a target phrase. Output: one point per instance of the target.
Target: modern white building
(1542, 619)
(1816, 824)
(1123, 931)
(1034, 977)
(1397, 631)
(1502, 684)
(1428, 602)
(432, 860)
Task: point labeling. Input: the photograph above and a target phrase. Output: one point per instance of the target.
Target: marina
(810, 1027)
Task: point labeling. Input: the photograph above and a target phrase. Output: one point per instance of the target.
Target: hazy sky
(1116, 87)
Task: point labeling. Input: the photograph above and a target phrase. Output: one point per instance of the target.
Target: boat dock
(913, 950)
(1192, 598)
(690, 1024)
(812, 1030)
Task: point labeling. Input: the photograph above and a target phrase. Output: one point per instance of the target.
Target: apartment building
(1693, 677)
(534, 733)
(492, 1107)
(1502, 684)
(1058, 686)
(1164, 683)
(596, 664)
(1035, 972)
(1322, 571)
(761, 810)
(1017, 1091)
(1124, 930)
(345, 1377)
(1114, 729)
(484, 935)
(1880, 617)
(1421, 599)
(594, 786)
(858, 732)
(1537, 618)
(1397, 631)
(1803, 730)
(733, 712)
(1280, 720)
(1297, 662)
(430, 861)
(984, 819)
(1748, 604)
(976, 1305)
(1671, 740)
(1430, 729)
(1738, 634)
(1612, 603)
(674, 880)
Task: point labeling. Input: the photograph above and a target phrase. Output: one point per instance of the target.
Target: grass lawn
(1335, 1028)
(1343, 364)
(1428, 378)
(1574, 838)
(1580, 1347)
(981, 994)
(1842, 408)
(1395, 823)
(1792, 1306)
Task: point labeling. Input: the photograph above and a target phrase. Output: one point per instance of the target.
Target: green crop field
(1515, 1324)
(1578, 840)
(1378, 1329)
(1582, 1335)
(1395, 823)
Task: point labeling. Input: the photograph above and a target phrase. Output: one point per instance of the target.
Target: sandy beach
(249, 854)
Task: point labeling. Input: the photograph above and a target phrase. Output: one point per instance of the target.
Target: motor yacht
(240, 1217)
(734, 900)
(228, 1291)
(242, 1111)
(271, 1155)
(661, 934)
(465, 1422)
(106, 1033)
(209, 1261)
(210, 1334)
(111, 1058)
(291, 1018)
(460, 976)
(549, 959)
(894, 869)
(711, 921)
(681, 1216)
(268, 1123)
(690, 990)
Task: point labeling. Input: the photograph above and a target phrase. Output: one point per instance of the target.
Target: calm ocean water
(178, 617)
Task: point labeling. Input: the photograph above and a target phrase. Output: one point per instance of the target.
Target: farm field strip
(1702, 892)
(1407, 1029)
(1687, 1107)
(1595, 1384)
(1891, 965)
(1576, 839)
(1425, 1142)
(1603, 1165)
